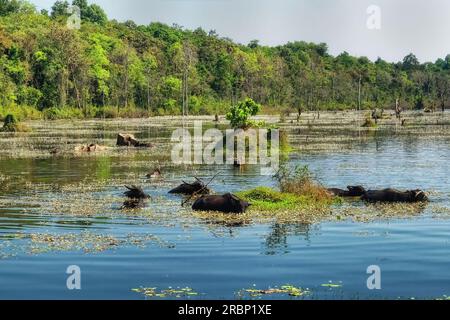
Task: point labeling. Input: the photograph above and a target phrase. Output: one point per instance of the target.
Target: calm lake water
(163, 246)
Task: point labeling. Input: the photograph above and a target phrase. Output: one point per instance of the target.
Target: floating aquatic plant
(285, 290)
(88, 242)
(166, 293)
(332, 285)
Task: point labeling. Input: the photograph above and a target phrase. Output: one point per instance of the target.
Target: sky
(397, 27)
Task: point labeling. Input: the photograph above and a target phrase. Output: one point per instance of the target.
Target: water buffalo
(135, 192)
(392, 195)
(132, 204)
(156, 174)
(191, 188)
(228, 203)
(136, 198)
(90, 148)
(128, 140)
(353, 191)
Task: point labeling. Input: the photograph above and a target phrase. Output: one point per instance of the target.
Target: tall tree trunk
(359, 93)
(148, 94)
(126, 77)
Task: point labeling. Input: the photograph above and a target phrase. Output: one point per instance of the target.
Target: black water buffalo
(191, 189)
(135, 192)
(392, 195)
(136, 198)
(228, 203)
(132, 204)
(155, 174)
(128, 140)
(353, 191)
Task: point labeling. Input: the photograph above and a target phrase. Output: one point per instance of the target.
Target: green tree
(60, 9)
(96, 14)
(239, 115)
(15, 6)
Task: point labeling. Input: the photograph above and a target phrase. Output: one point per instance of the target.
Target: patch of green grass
(267, 199)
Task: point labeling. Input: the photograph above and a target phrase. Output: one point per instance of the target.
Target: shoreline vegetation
(110, 69)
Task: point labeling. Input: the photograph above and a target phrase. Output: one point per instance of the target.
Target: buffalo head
(418, 196)
(356, 191)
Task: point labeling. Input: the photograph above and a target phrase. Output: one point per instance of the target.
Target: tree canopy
(44, 64)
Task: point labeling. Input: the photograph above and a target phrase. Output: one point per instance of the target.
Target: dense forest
(110, 68)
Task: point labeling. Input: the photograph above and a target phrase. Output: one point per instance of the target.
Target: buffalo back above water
(353, 191)
(135, 192)
(227, 203)
(190, 189)
(392, 195)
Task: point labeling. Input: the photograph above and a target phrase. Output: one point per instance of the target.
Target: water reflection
(277, 240)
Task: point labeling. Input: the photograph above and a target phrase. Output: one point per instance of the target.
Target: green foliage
(14, 6)
(55, 113)
(113, 68)
(299, 181)
(298, 174)
(239, 115)
(95, 14)
(267, 199)
(21, 112)
(12, 125)
(60, 8)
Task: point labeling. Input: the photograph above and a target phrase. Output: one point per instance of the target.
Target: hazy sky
(418, 26)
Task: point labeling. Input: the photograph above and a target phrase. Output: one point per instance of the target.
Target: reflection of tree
(277, 240)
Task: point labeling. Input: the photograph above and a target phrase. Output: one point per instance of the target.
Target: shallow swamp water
(63, 209)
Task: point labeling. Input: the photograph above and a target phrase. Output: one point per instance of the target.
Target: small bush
(12, 125)
(239, 115)
(299, 181)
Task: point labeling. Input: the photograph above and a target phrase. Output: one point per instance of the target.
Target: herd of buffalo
(229, 203)
(386, 195)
